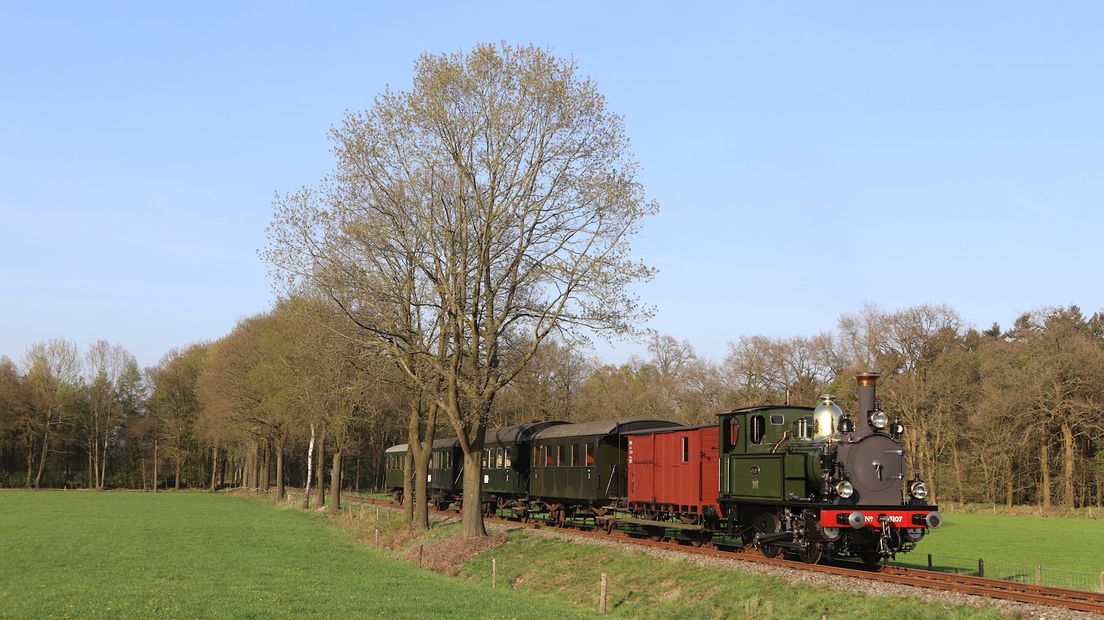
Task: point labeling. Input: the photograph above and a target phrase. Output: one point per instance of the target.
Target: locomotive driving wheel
(767, 523)
(810, 553)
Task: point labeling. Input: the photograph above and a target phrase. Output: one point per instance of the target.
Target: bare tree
(496, 199)
(52, 373)
(112, 372)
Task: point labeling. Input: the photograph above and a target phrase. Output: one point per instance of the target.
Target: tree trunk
(473, 485)
(408, 487)
(214, 468)
(222, 467)
(988, 482)
(142, 465)
(958, 475)
(280, 470)
(155, 465)
(1067, 465)
(335, 483)
(1044, 466)
(30, 463)
(42, 458)
(103, 464)
(266, 474)
(320, 471)
(179, 464)
(356, 484)
(310, 459)
(421, 493)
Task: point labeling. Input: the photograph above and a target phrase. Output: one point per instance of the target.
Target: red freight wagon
(674, 470)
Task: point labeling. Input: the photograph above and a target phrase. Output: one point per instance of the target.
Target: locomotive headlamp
(879, 419)
(918, 489)
(845, 489)
(897, 428)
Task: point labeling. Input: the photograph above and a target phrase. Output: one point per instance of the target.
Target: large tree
(52, 376)
(496, 200)
(112, 381)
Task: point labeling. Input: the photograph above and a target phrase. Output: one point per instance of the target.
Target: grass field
(80, 554)
(640, 586)
(1071, 551)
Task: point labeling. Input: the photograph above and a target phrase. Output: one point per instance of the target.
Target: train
(812, 483)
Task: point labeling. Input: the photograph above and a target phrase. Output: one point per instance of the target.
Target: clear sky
(808, 157)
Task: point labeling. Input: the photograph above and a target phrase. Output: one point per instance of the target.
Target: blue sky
(808, 157)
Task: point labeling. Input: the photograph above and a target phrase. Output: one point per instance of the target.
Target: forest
(1007, 416)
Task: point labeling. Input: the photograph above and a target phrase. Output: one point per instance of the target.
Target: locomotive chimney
(867, 381)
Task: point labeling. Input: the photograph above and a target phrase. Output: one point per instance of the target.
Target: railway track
(1075, 600)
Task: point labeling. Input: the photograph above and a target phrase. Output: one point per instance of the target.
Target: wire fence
(1086, 581)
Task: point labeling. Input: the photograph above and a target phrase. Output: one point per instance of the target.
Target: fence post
(494, 572)
(981, 567)
(421, 548)
(602, 595)
(929, 562)
(1038, 575)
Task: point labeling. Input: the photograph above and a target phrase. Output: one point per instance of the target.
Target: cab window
(733, 432)
(589, 455)
(498, 458)
(758, 428)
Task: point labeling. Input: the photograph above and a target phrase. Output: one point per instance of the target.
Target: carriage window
(685, 449)
(589, 455)
(498, 458)
(574, 455)
(757, 429)
(485, 458)
(559, 456)
(778, 419)
(733, 432)
(509, 463)
(547, 456)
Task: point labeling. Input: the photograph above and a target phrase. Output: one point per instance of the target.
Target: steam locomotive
(808, 482)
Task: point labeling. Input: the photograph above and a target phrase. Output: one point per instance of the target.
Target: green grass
(641, 586)
(80, 554)
(1012, 545)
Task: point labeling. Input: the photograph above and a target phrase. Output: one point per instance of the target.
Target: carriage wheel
(655, 532)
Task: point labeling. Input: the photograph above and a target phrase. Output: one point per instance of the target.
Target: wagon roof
(517, 432)
(764, 408)
(602, 427)
(450, 442)
(670, 429)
